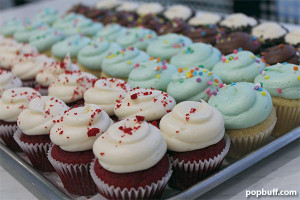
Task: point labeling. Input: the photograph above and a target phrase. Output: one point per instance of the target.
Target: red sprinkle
(93, 132)
(140, 118)
(133, 96)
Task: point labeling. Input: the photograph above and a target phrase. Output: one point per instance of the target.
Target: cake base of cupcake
(36, 149)
(7, 130)
(73, 170)
(246, 140)
(145, 184)
(192, 166)
(288, 115)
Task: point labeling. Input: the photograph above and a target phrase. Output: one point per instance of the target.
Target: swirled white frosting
(8, 80)
(79, 128)
(48, 74)
(178, 11)
(293, 37)
(14, 100)
(106, 92)
(28, 66)
(192, 125)
(41, 115)
(238, 20)
(268, 30)
(129, 146)
(108, 4)
(150, 8)
(152, 104)
(204, 19)
(128, 6)
(70, 86)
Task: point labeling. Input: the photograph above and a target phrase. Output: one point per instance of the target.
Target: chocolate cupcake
(204, 34)
(281, 53)
(238, 22)
(178, 12)
(80, 9)
(150, 21)
(203, 19)
(173, 26)
(228, 43)
(293, 38)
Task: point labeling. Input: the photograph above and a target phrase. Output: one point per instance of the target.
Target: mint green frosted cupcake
(197, 54)
(90, 57)
(27, 29)
(45, 38)
(168, 45)
(137, 37)
(119, 64)
(193, 84)
(47, 16)
(72, 45)
(242, 66)
(10, 26)
(152, 74)
(110, 32)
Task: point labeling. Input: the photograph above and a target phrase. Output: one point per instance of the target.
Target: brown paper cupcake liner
(153, 191)
(288, 118)
(36, 153)
(7, 137)
(188, 173)
(75, 178)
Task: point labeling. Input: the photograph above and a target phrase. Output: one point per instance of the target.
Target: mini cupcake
(73, 138)
(283, 83)
(193, 84)
(141, 174)
(10, 26)
(8, 80)
(178, 12)
(269, 33)
(205, 34)
(293, 38)
(237, 40)
(34, 125)
(119, 64)
(72, 45)
(29, 66)
(194, 132)
(195, 55)
(47, 16)
(150, 8)
(52, 70)
(149, 103)
(238, 22)
(90, 57)
(204, 19)
(240, 66)
(105, 93)
(26, 30)
(111, 32)
(281, 53)
(70, 87)
(168, 45)
(45, 38)
(152, 74)
(108, 4)
(136, 37)
(248, 113)
(12, 102)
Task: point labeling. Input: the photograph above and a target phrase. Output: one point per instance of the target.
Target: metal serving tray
(49, 185)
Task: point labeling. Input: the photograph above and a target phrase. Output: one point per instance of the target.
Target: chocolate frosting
(205, 34)
(281, 53)
(174, 26)
(80, 9)
(150, 22)
(228, 43)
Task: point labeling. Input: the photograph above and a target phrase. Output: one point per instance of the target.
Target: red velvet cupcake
(122, 172)
(194, 132)
(74, 137)
(12, 102)
(34, 126)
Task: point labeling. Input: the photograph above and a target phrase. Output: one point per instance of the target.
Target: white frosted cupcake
(203, 19)
(238, 22)
(293, 38)
(8, 80)
(178, 12)
(150, 8)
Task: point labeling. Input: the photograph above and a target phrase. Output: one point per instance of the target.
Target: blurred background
(278, 10)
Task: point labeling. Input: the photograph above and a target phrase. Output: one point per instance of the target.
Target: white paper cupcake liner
(188, 173)
(36, 153)
(76, 178)
(240, 146)
(288, 118)
(153, 191)
(7, 136)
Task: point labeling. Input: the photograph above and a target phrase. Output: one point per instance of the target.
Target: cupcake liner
(36, 153)
(153, 191)
(29, 83)
(288, 118)
(240, 146)
(187, 174)
(7, 136)
(76, 178)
